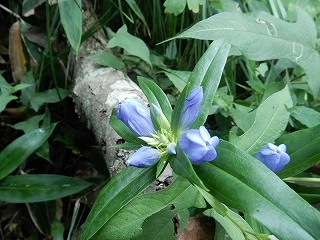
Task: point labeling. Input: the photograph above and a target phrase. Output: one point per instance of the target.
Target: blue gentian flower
(144, 157)
(136, 117)
(191, 109)
(275, 158)
(198, 145)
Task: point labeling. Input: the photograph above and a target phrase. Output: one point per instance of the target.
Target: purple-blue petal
(198, 146)
(144, 157)
(275, 158)
(136, 117)
(191, 108)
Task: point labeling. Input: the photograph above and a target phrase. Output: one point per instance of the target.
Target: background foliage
(259, 63)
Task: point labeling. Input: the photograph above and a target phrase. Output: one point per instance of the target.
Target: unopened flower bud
(144, 157)
(136, 117)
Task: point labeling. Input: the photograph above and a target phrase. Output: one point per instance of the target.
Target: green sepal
(156, 96)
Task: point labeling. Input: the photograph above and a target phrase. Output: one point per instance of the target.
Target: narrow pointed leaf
(182, 195)
(20, 149)
(22, 188)
(115, 195)
(207, 73)
(240, 181)
(261, 36)
(270, 121)
(156, 96)
(303, 149)
(71, 19)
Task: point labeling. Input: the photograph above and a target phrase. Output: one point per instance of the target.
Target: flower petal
(144, 157)
(191, 108)
(198, 146)
(136, 117)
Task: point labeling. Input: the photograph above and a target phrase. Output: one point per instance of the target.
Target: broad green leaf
(159, 225)
(71, 19)
(115, 195)
(243, 120)
(133, 45)
(22, 188)
(20, 149)
(207, 73)
(260, 36)
(49, 96)
(6, 91)
(156, 96)
(307, 116)
(177, 6)
(270, 121)
(30, 124)
(5, 98)
(180, 194)
(236, 227)
(303, 148)
(178, 78)
(242, 182)
(193, 5)
(108, 60)
(57, 229)
(174, 6)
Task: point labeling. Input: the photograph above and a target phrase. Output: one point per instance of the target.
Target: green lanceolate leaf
(127, 222)
(303, 149)
(242, 182)
(133, 45)
(261, 36)
(22, 188)
(207, 73)
(270, 121)
(113, 197)
(307, 116)
(156, 96)
(236, 227)
(71, 19)
(20, 149)
(108, 60)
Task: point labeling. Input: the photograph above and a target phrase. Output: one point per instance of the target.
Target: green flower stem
(302, 179)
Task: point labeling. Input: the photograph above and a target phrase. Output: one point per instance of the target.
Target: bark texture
(97, 90)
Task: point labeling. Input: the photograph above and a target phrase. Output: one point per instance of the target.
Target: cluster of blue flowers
(197, 144)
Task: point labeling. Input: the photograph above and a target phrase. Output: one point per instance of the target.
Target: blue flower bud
(144, 157)
(136, 117)
(198, 145)
(191, 108)
(171, 148)
(275, 158)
